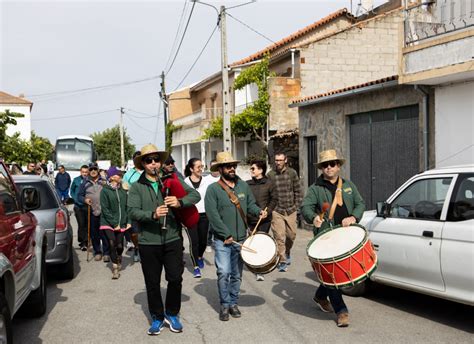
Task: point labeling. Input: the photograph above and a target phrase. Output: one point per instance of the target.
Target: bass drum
(265, 257)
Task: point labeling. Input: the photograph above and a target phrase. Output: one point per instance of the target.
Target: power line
(157, 123)
(182, 38)
(154, 77)
(71, 116)
(175, 41)
(141, 113)
(197, 58)
(138, 125)
(250, 28)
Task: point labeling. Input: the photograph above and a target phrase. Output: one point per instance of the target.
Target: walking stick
(88, 231)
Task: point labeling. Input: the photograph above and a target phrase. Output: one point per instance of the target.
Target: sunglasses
(229, 166)
(150, 159)
(328, 163)
(93, 169)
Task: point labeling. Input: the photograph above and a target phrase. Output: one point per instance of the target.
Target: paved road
(93, 308)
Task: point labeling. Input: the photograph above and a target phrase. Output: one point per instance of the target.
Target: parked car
(54, 218)
(424, 235)
(23, 247)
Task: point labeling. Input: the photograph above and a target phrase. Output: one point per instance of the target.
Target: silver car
(54, 218)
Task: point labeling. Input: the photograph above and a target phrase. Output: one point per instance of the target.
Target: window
(48, 199)
(461, 207)
(8, 202)
(423, 199)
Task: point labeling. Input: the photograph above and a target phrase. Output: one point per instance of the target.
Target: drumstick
(258, 222)
(324, 209)
(244, 247)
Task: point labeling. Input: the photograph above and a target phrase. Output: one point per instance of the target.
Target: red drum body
(342, 256)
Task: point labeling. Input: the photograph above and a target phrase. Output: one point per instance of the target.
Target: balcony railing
(434, 18)
(199, 116)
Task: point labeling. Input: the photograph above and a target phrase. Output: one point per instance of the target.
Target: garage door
(384, 151)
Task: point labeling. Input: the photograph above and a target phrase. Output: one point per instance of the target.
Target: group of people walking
(152, 204)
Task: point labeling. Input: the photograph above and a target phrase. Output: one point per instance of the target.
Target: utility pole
(122, 149)
(163, 99)
(225, 83)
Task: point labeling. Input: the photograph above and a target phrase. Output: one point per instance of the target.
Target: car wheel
(66, 270)
(5, 322)
(35, 305)
(357, 290)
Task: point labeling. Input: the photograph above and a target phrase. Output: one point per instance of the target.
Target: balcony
(206, 114)
(435, 18)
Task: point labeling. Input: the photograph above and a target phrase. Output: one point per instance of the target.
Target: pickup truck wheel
(5, 322)
(36, 302)
(66, 270)
(357, 290)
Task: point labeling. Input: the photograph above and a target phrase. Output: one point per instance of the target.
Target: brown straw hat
(223, 158)
(148, 150)
(328, 155)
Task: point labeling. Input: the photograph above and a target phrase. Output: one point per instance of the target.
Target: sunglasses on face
(329, 163)
(230, 166)
(150, 159)
(93, 169)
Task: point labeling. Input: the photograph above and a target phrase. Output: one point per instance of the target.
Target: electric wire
(72, 116)
(157, 123)
(197, 58)
(175, 41)
(182, 38)
(146, 115)
(250, 28)
(138, 125)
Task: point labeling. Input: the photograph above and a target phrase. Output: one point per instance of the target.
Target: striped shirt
(288, 190)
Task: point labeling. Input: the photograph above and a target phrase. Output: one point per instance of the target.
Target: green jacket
(142, 203)
(317, 194)
(223, 216)
(113, 203)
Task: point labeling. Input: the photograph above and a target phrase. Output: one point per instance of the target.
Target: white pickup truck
(424, 235)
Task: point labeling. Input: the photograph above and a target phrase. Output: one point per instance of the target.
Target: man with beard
(230, 228)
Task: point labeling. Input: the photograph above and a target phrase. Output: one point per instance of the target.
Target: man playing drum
(228, 221)
(347, 208)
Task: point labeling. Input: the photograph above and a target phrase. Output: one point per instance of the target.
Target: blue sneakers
(155, 327)
(282, 267)
(174, 323)
(197, 273)
(200, 262)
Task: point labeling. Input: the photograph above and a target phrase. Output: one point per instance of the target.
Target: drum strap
(234, 200)
(337, 201)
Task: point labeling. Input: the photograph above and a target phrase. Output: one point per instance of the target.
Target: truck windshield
(73, 153)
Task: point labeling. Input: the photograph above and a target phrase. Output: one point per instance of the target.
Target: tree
(22, 151)
(7, 118)
(170, 129)
(107, 145)
(254, 118)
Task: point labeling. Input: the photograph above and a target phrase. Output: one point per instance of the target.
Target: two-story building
(17, 105)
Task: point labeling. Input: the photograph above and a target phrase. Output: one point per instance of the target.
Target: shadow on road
(445, 312)
(297, 296)
(28, 330)
(207, 288)
(141, 299)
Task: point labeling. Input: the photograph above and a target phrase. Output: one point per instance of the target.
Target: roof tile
(6, 98)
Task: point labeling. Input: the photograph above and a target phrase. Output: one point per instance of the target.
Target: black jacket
(265, 196)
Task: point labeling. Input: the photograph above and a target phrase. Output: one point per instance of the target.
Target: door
(408, 240)
(312, 159)
(384, 151)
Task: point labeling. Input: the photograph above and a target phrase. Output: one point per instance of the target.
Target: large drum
(342, 256)
(262, 257)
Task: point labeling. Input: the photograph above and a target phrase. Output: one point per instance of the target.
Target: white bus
(73, 151)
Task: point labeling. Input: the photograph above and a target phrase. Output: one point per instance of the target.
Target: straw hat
(148, 150)
(328, 155)
(223, 158)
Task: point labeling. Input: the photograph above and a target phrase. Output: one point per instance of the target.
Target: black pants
(81, 218)
(115, 239)
(153, 259)
(262, 227)
(198, 238)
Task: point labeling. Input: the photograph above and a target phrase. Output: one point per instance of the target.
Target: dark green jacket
(317, 194)
(113, 203)
(142, 203)
(223, 216)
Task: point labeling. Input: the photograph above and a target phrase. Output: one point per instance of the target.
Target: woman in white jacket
(198, 236)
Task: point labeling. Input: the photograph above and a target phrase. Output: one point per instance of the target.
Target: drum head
(336, 242)
(265, 247)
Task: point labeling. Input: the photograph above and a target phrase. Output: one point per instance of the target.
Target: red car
(22, 254)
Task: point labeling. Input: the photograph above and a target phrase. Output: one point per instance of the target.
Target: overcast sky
(50, 47)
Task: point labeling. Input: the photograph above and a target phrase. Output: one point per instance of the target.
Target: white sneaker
(260, 277)
(208, 249)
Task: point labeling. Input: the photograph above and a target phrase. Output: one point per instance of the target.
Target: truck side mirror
(30, 198)
(383, 209)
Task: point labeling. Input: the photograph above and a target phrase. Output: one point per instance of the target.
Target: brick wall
(281, 91)
(367, 51)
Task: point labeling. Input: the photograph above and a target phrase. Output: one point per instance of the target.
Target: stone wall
(281, 91)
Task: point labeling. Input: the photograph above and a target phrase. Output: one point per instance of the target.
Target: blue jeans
(335, 297)
(63, 195)
(229, 272)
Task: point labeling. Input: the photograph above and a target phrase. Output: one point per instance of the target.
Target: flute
(167, 191)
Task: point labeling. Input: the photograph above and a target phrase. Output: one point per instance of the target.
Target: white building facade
(17, 105)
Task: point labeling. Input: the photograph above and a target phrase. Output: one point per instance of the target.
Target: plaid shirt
(288, 189)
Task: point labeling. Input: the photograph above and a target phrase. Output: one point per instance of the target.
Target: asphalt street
(93, 308)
